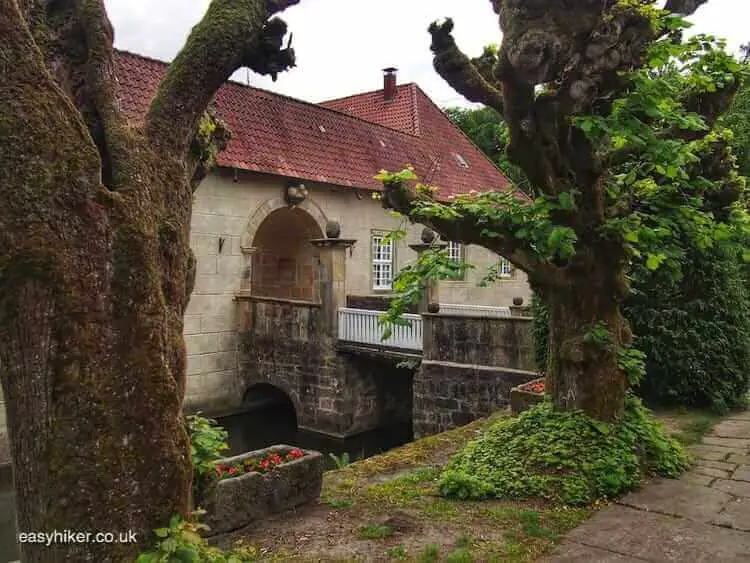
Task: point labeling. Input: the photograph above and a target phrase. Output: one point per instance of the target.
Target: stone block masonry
(469, 366)
(288, 344)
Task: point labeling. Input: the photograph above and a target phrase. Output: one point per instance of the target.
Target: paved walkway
(703, 516)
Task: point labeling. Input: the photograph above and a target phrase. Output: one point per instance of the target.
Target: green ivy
(564, 457)
(181, 542)
(207, 442)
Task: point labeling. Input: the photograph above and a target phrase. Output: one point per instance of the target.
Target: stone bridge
(444, 370)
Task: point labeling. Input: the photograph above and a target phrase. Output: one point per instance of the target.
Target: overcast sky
(342, 45)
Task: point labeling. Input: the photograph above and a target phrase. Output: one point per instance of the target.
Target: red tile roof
(275, 134)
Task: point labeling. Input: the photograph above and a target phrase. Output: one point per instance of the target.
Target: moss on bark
(95, 275)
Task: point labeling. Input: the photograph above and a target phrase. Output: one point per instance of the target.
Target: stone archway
(284, 260)
(276, 242)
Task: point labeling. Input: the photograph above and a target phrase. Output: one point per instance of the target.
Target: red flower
(233, 471)
(296, 453)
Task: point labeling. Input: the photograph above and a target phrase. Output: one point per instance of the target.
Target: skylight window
(322, 129)
(461, 160)
(382, 143)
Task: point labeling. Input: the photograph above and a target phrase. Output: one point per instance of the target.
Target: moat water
(248, 431)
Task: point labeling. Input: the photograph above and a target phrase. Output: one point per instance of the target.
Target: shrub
(563, 456)
(695, 332)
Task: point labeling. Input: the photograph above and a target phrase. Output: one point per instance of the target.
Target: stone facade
(227, 218)
(469, 366)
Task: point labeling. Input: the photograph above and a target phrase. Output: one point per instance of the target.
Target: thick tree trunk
(92, 291)
(95, 269)
(582, 371)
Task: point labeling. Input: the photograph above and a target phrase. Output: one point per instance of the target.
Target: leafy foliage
(563, 456)
(181, 542)
(540, 333)
(695, 332)
(207, 441)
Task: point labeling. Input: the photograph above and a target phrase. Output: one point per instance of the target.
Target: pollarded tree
(611, 115)
(95, 267)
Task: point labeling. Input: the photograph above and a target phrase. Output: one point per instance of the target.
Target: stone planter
(522, 398)
(233, 503)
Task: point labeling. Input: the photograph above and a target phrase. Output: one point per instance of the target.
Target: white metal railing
(361, 326)
(475, 310)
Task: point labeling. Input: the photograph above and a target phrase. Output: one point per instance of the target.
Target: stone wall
(228, 212)
(287, 344)
(468, 368)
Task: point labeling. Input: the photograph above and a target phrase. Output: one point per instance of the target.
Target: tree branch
(467, 230)
(684, 7)
(458, 70)
(232, 34)
(107, 124)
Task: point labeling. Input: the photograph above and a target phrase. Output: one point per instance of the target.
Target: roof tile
(343, 142)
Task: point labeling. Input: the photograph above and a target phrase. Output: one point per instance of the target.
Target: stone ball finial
(428, 235)
(518, 301)
(333, 229)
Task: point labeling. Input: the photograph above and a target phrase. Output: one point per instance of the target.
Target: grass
(363, 497)
(397, 552)
(430, 553)
(687, 426)
(375, 532)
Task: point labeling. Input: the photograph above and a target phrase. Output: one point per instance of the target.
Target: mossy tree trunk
(95, 267)
(583, 371)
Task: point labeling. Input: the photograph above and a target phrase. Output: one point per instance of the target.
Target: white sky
(342, 45)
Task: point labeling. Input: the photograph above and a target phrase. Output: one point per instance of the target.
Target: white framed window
(504, 268)
(382, 262)
(456, 253)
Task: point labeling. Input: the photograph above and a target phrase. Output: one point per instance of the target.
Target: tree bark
(581, 373)
(94, 277)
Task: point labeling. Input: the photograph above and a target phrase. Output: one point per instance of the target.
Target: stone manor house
(290, 169)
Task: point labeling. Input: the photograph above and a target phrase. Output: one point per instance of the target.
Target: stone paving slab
(712, 472)
(697, 478)
(679, 498)
(736, 515)
(715, 453)
(739, 443)
(736, 488)
(571, 552)
(657, 537)
(725, 465)
(703, 516)
(731, 429)
(742, 473)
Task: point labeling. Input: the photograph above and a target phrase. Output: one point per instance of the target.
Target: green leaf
(653, 261)
(161, 532)
(187, 555)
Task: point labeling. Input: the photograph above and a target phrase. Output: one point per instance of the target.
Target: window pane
(505, 268)
(382, 262)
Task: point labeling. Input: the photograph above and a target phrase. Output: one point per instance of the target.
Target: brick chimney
(389, 83)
